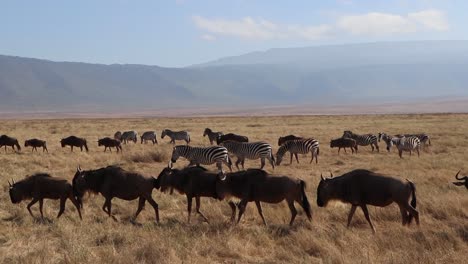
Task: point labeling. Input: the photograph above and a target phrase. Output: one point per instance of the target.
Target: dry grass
(442, 237)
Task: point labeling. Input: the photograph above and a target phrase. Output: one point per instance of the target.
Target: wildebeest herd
(358, 187)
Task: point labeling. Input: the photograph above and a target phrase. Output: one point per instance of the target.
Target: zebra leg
(237, 163)
(339, 148)
(262, 163)
(290, 161)
(400, 152)
(377, 146)
(297, 159)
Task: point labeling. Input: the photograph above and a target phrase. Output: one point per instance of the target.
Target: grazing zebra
(301, 146)
(149, 135)
(408, 144)
(176, 135)
(423, 137)
(202, 155)
(129, 136)
(389, 140)
(212, 136)
(252, 150)
(362, 140)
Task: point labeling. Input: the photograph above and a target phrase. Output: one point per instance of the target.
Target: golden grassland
(441, 238)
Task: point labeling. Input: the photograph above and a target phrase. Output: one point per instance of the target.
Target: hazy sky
(177, 33)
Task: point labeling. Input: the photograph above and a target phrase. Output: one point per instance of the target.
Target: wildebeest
(254, 185)
(129, 136)
(344, 143)
(193, 182)
(10, 142)
(36, 143)
(118, 135)
(232, 137)
(363, 187)
(108, 142)
(74, 141)
(113, 181)
(42, 186)
(462, 181)
(212, 136)
(149, 135)
(282, 140)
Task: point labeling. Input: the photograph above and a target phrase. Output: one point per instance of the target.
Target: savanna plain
(442, 236)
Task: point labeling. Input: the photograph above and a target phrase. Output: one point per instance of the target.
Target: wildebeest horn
(331, 174)
(78, 169)
(9, 183)
(222, 175)
(169, 165)
(456, 176)
(321, 176)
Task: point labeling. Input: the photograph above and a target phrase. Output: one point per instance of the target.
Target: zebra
(301, 146)
(212, 136)
(202, 155)
(408, 144)
(250, 150)
(362, 140)
(423, 137)
(176, 135)
(389, 140)
(149, 135)
(129, 136)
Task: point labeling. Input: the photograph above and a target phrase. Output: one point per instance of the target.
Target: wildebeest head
(100, 142)
(164, 179)
(324, 191)
(333, 143)
(462, 181)
(27, 143)
(79, 185)
(17, 192)
(62, 142)
(163, 133)
(221, 185)
(207, 131)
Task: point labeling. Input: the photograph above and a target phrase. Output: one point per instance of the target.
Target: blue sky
(175, 33)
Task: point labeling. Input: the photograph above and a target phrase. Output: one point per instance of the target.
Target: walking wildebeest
(129, 136)
(10, 142)
(363, 187)
(193, 182)
(73, 141)
(108, 142)
(344, 143)
(232, 137)
(282, 140)
(254, 185)
(118, 135)
(212, 136)
(462, 181)
(43, 186)
(149, 135)
(113, 181)
(36, 143)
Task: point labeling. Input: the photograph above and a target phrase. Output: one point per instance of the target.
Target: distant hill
(325, 75)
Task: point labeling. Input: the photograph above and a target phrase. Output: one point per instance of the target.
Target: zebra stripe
(363, 140)
(423, 137)
(212, 136)
(129, 136)
(408, 144)
(389, 140)
(202, 155)
(176, 135)
(301, 146)
(149, 135)
(250, 150)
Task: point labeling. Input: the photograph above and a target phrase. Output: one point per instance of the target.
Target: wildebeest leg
(62, 206)
(81, 148)
(339, 148)
(141, 205)
(197, 201)
(71, 148)
(34, 200)
(404, 215)
(297, 159)
(189, 207)
(45, 149)
(242, 205)
(41, 203)
(293, 211)
(366, 214)
(377, 146)
(233, 209)
(108, 204)
(259, 208)
(237, 163)
(262, 163)
(76, 204)
(155, 206)
(351, 213)
(413, 212)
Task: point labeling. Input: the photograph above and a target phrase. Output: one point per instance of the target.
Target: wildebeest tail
(413, 199)
(305, 202)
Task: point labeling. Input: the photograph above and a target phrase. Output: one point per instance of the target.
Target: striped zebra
(202, 155)
(301, 146)
(176, 135)
(149, 135)
(423, 137)
(212, 136)
(362, 140)
(250, 150)
(389, 140)
(129, 136)
(408, 144)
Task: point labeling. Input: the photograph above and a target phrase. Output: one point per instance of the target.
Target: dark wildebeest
(363, 187)
(113, 181)
(462, 181)
(344, 143)
(129, 136)
(73, 141)
(36, 143)
(108, 142)
(232, 137)
(193, 182)
(10, 142)
(282, 140)
(43, 186)
(149, 135)
(212, 136)
(254, 185)
(118, 135)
